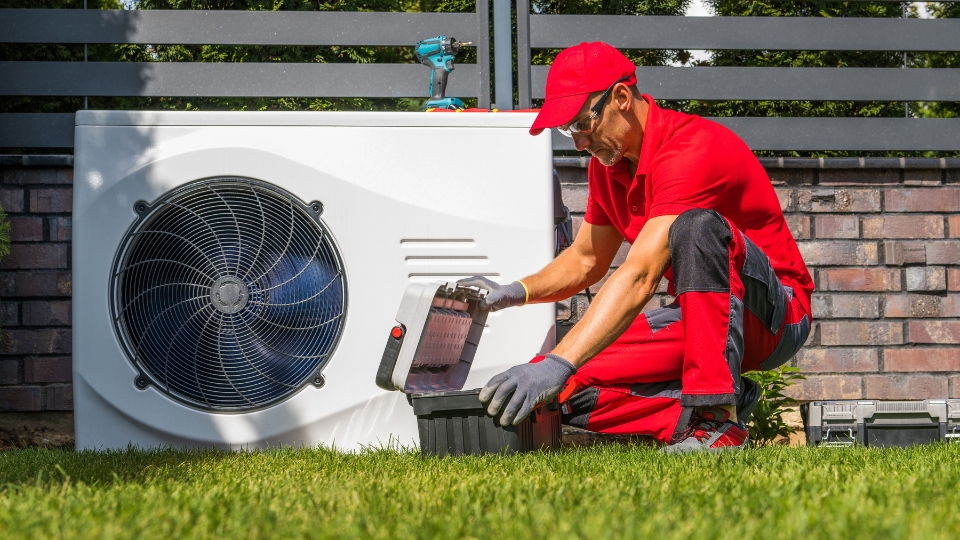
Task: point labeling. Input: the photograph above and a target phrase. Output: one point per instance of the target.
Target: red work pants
(732, 313)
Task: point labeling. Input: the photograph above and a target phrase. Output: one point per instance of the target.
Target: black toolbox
(428, 356)
(843, 423)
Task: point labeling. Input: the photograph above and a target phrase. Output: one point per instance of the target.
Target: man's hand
(500, 296)
(519, 389)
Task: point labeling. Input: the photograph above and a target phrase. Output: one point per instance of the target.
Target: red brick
(859, 279)
(921, 360)
(950, 305)
(9, 371)
(42, 341)
(926, 278)
(830, 226)
(24, 256)
(945, 252)
(12, 200)
(838, 200)
(845, 306)
(20, 398)
(46, 313)
(943, 199)
(922, 177)
(953, 222)
(61, 229)
(48, 370)
(893, 226)
(28, 284)
(59, 398)
(38, 175)
(839, 253)
(785, 196)
(575, 197)
(859, 176)
(905, 387)
(860, 333)
(9, 314)
(953, 279)
(899, 253)
(826, 387)
(913, 305)
(837, 360)
(26, 229)
(799, 226)
(51, 200)
(934, 331)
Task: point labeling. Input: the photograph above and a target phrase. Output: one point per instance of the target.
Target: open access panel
(428, 356)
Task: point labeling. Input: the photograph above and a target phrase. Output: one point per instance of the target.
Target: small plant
(767, 423)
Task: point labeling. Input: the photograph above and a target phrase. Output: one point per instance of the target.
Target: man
(698, 209)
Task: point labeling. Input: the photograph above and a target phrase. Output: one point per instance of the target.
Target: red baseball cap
(575, 73)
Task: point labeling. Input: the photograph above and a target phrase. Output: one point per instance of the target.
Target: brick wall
(35, 285)
(883, 245)
(881, 238)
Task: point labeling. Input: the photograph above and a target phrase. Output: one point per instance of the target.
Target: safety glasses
(585, 125)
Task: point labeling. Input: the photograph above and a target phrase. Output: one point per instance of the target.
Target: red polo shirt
(689, 162)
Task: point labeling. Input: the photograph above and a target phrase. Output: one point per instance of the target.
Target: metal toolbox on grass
(428, 356)
(881, 423)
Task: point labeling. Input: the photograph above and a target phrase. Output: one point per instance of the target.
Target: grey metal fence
(536, 31)
(173, 79)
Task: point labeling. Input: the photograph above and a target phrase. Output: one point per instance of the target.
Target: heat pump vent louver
(228, 294)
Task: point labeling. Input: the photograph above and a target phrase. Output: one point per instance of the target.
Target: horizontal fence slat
(202, 79)
(36, 130)
(809, 134)
(188, 27)
(816, 84)
(746, 33)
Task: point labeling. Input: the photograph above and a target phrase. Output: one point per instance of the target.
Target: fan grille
(228, 294)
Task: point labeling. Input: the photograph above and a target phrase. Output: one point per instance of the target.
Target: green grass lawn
(615, 491)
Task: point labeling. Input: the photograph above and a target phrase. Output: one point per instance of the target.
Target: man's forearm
(564, 277)
(613, 310)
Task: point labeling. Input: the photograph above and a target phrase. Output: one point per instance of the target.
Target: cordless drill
(438, 54)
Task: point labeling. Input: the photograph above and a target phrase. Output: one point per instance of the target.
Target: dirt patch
(36, 430)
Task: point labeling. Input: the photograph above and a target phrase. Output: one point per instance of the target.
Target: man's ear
(623, 96)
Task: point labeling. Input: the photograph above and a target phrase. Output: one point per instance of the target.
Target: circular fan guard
(228, 294)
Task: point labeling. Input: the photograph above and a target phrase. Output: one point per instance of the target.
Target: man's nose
(581, 141)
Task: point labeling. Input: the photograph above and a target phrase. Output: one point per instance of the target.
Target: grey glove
(525, 387)
(500, 296)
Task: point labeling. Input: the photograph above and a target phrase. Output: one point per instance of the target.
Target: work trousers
(731, 314)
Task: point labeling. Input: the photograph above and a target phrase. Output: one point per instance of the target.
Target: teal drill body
(438, 54)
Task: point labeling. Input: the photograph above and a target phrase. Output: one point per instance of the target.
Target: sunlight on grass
(603, 492)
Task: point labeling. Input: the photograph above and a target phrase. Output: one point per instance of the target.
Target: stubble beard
(613, 156)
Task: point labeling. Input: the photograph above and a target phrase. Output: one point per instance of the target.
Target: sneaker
(748, 400)
(709, 430)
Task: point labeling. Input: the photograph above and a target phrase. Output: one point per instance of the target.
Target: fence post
(483, 53)
(523, 53)
(503, 54)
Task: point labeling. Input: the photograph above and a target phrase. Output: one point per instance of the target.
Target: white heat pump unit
(236, 275)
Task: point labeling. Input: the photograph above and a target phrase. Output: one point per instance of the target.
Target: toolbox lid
(432, 346)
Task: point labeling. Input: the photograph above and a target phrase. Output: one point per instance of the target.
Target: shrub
(767, 423)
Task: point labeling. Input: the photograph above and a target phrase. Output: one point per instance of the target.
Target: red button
(397, 332)
(634, 208)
